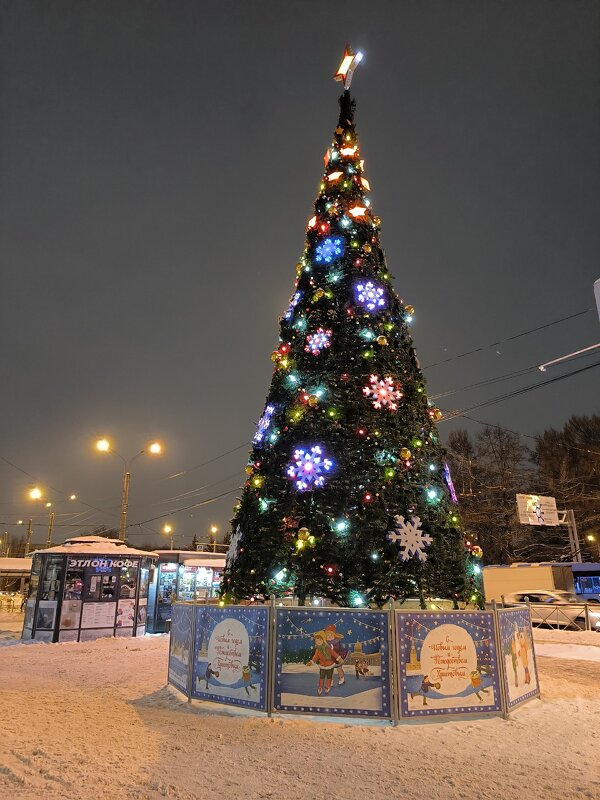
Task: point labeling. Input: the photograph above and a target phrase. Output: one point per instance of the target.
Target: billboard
(536, 510)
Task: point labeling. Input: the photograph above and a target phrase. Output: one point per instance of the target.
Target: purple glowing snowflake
(317, 341)
(293, 303)
(309, 468)
(370, 295)
(263, 424)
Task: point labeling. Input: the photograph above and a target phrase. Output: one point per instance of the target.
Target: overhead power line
(508, 339)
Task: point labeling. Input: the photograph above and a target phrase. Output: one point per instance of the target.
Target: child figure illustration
(476, 684)
(514, 651)
(524, 653)
(247, 678)
(426, 685)
(361, 668)
(209, 674)
(325, 660)
(332, 638)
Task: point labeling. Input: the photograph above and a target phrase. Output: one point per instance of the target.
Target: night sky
(158, 163)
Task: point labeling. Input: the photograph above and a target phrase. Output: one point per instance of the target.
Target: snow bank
(95, 719)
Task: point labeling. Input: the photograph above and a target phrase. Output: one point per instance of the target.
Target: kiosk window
(52, 578)
(128, 582)
(74, 584)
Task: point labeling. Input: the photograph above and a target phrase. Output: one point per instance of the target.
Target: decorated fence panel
(231, 655)
(332, 661)
(518, 656)
(354, 662)
(447, 663)
(181, 646)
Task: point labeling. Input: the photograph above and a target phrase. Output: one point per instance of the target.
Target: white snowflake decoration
(383, 392)
(411, 538)
(234, 547)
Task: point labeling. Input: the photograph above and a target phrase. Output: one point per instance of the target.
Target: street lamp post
(104, 446)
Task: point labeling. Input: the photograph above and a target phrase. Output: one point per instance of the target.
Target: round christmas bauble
(303, 534)
(249, 470)
(381, 340)
(477, 551)
(313, 400)
(405, 454)
(367, 248)
(409, 309)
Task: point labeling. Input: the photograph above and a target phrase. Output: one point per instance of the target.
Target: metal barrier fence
(389, 664)
(570, 616)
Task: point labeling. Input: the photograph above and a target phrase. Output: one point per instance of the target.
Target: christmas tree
(348, 495)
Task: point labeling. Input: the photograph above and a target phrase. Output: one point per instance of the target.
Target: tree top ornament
(346, 69)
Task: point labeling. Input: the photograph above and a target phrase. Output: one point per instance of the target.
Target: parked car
(556, 608)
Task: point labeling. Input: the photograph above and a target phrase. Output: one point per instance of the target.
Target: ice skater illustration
(209, 674)
(476, 684)
(325, 659)
(514, 651)
(332, 638)
(524, 654)
(426, 685)
(361, 668)
(247, 679)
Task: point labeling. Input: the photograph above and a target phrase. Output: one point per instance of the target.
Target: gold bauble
(437, 414)
(405, 454)
(313, 400)
(303, 534)
(381, 340)
(249, 469)
(367, 248)
(409, 309)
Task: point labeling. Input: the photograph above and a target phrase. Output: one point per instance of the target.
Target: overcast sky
(158, 163)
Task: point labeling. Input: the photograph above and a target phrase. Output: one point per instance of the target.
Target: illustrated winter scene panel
(332, 661)
(230, 655)
(448, 663)
(520, 671)
(180, 646)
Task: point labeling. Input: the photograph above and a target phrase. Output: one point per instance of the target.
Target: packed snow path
(83, 720)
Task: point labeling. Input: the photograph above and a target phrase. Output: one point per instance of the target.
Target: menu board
(98, 615)
(125, 613)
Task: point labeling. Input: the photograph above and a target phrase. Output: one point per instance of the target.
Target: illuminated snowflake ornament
(329, 250)
(263, 425)
(317, 341)
(410, 537)
(370, 295)
(309, 468)
(293, 303)
(383, 392)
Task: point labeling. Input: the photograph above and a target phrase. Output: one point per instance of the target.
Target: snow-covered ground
(95, 719)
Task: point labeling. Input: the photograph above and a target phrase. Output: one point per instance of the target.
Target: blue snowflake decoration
(329, 250)
(293, 303)
(309, 468)
(317, 341)
(263, 425)
(370, 295)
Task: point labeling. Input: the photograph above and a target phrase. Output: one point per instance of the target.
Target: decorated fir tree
(348, 495)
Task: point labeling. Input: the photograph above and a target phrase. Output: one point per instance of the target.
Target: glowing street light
(104, 446)
(35, 493)
(168, 531)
